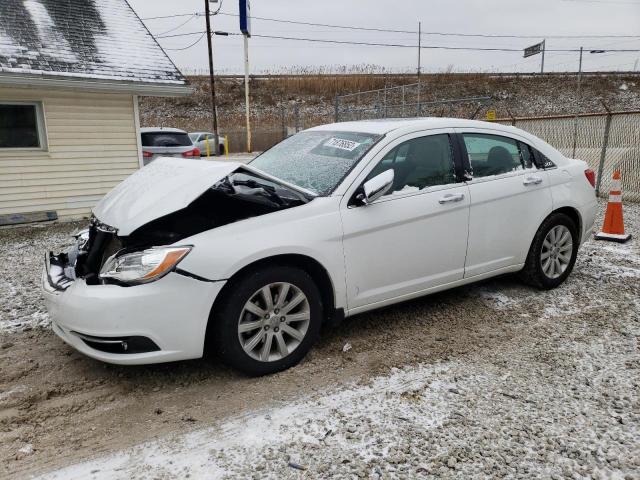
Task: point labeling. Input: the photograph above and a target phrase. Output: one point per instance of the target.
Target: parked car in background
(249, 260)
(200, 139)
(166, 142)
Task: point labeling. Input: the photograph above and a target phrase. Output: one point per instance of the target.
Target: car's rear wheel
(267, 320)
(552, 253)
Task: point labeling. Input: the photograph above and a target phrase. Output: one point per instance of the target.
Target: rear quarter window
(165, 139)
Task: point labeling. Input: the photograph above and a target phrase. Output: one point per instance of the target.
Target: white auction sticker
(342, 144)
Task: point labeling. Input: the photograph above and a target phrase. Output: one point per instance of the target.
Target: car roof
(386, 125)
(401, 126)
(160, 129)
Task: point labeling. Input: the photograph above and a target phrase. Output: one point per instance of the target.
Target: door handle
(532, 181)
(451, 197)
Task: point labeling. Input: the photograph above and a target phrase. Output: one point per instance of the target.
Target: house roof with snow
(101, 43)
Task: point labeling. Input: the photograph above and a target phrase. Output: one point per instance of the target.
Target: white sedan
(248, 261)
(202, 139)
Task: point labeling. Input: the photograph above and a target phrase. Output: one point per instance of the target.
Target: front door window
(419, 163)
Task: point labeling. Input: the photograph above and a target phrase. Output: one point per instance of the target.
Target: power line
(397, 45)
(171, 16)
(190, 45)
(351, 27)
(413, 32)
(179, 26)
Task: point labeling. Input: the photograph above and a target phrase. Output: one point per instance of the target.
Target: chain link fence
(607, 141)
(403, 101)
(280, 123)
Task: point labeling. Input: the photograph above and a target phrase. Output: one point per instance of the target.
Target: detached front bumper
(155, 322)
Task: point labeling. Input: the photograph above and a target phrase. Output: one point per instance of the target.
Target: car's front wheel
(267, 320)
(552, 253)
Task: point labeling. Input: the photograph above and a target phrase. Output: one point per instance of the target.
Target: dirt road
(486, 380)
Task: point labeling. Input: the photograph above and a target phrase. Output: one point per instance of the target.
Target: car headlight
(145, 266)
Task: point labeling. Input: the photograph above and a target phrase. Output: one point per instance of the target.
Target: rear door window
(165, 139)
(542, 161)
(492, 154)
(527, 155)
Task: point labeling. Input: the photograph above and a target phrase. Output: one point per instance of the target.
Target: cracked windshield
(315, 160)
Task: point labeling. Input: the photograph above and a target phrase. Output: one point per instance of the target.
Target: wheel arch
(311, 266)
(573, 214)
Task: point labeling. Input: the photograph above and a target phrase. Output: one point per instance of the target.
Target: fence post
(296, 114)
(513, 119)
(403, 101)
(337, 106)
(476, 112)
(284, 122)
(605, 144)
(385, 99)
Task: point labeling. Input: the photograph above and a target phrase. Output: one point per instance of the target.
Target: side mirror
(376, 187)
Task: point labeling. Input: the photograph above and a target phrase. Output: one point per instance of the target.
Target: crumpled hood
(160, 188)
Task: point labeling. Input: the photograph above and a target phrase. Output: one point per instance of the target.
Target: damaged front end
(139, 244)
(83, 258)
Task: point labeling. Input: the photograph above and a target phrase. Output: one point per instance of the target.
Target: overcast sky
(493, 17)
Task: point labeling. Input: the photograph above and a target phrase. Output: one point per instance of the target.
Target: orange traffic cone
(613, 228)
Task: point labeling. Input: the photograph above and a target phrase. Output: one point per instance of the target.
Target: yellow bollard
(226, 146)
(206, 142)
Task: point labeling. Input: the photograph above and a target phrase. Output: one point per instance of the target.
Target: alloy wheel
(557, 249)
(274, 321)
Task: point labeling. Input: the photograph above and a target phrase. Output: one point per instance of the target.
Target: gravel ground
(489, 380)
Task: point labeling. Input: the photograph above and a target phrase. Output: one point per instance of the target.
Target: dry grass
(274, 98)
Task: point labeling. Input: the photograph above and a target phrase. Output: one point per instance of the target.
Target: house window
(22, 125)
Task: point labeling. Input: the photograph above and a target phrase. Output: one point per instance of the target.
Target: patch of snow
(111, 46)
(408, 396)
(27, 449)
(54, 45)
(12, 391)
(9, 47)
(497, 299)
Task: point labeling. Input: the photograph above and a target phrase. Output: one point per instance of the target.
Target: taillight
(192, 153)
(147, 154)
(591, 176)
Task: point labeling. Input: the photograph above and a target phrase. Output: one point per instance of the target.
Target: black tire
(221, 150)
(222, 334)
(533, 273)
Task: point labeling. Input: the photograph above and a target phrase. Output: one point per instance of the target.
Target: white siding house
(70, 76)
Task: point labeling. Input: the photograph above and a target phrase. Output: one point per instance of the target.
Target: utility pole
(216, 137)
(245, 28)
(544, 47)
(419, 55)
(575, 120)
(246, 90)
